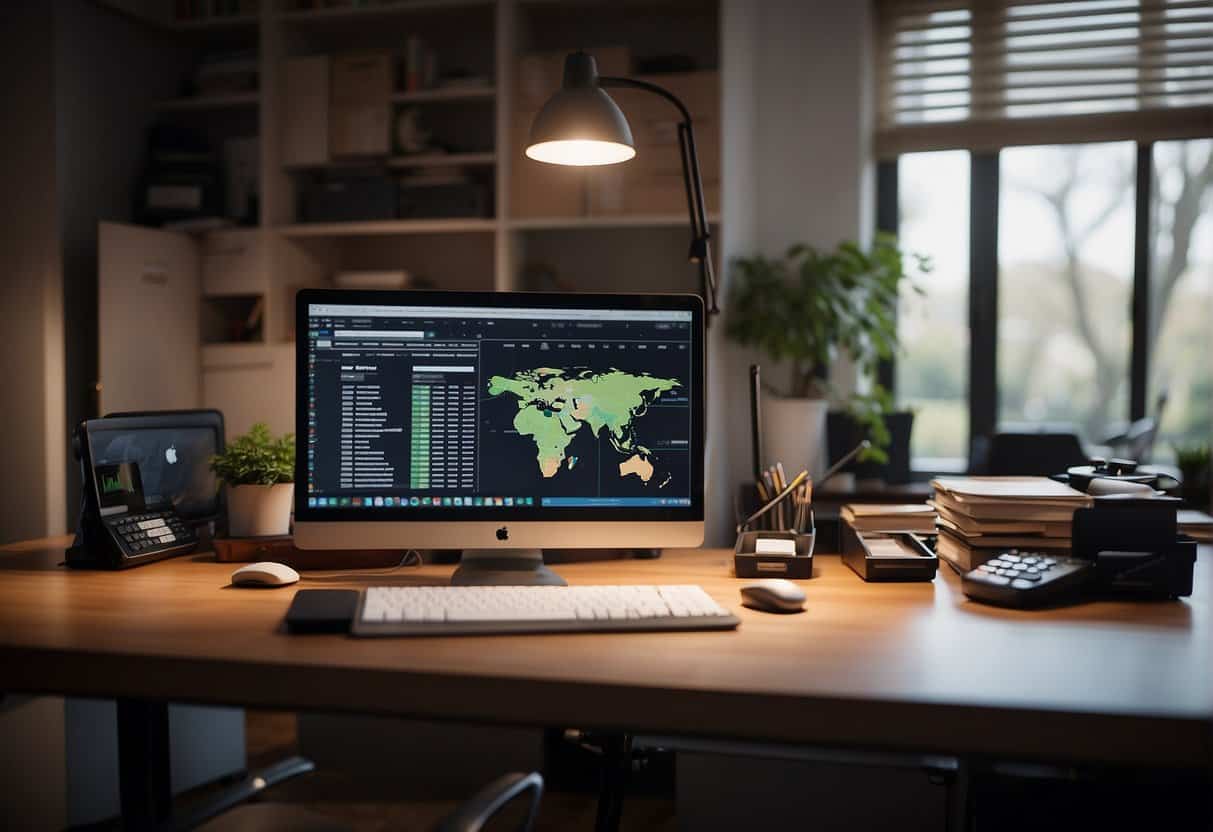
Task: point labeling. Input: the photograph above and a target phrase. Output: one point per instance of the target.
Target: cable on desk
(411, 557)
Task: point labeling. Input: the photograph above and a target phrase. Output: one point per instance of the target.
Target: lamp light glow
(582, 126)
(580, 152)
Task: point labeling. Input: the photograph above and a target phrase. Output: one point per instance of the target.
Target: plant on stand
(805, 309)
(259, 472)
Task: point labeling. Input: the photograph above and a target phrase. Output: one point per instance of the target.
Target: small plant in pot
(259, 472)
(802, 310)
(1195, 463)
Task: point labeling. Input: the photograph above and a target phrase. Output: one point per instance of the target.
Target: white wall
(31, 363)
(797, 97)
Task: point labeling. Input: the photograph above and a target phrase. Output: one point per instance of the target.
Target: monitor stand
(504, 567)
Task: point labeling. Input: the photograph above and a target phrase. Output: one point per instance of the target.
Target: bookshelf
(487, 52)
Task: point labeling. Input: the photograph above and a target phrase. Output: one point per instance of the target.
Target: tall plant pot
(844, 433)
(794, 433)
(259, 510)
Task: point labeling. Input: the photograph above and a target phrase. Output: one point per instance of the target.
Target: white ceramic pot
(794, 433)
(259, 510)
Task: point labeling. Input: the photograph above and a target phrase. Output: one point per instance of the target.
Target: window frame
(984, 186)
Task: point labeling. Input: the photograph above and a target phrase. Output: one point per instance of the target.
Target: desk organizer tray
(749, 564)
(888, 556)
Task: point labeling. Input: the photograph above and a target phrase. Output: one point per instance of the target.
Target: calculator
(1025, 578)
(118, 529)
(150, 532)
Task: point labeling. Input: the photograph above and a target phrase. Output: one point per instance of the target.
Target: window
(1065, 282)
(1085, 296)
(933, 328)
(1181, 296)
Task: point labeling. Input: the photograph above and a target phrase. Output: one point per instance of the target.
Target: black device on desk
(1120, 547)
(147, 486)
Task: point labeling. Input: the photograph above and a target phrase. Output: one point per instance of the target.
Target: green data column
(419, 453)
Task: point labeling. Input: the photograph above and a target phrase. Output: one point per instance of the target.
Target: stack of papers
(1196, 524)
(915, 517)
(980, 516)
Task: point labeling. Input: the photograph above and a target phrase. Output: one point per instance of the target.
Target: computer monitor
(499, 423)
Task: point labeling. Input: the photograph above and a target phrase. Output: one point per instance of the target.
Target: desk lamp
(581, 125)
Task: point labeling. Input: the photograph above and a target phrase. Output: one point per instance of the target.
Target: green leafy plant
(1194, 460)
(806, 306)
(257, 458)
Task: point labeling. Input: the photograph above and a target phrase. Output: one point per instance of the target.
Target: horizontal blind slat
(945, 65)
(989, 135)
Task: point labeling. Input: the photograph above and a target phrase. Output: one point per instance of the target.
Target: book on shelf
(914, 517)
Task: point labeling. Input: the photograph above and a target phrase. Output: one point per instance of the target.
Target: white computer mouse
(265, 573)
(773, 595)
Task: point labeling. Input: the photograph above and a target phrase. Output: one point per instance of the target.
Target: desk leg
(144, 783)
(958, 799)
(616, 769)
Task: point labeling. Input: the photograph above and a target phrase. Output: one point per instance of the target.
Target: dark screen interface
(459, 407)
(173, 465)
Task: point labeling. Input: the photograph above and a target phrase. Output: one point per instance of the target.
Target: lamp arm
(700, 252)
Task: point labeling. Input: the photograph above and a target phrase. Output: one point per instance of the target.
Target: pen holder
(749, 564)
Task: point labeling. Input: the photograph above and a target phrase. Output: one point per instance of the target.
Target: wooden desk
(873, 666)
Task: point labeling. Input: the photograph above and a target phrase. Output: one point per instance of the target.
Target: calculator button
(1020, 583)
(995, 580)
(1011, 558)
(1030, 576)
(985, 567)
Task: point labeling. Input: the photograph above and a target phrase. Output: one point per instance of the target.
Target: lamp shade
(580, 124)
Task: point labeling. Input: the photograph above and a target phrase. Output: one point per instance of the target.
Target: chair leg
(251, 786)
(616, 769)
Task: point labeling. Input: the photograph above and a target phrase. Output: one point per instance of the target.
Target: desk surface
(881, 666)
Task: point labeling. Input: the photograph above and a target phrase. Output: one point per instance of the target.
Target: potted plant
(1194, 463)
(259, 472)
(803, 309)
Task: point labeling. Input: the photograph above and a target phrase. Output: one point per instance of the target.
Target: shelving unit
(614, 221)
(424, 160)
(597, 240)
(388, 9)
(378, 228)
(216, 23)
(470, 93)
(210, 103)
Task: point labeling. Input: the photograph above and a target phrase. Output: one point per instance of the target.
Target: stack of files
(1196, 524)
(981, 516)
(914, 517)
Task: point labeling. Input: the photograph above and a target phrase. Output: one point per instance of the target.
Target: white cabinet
(250, 383)
(234, 262)
(148, 312)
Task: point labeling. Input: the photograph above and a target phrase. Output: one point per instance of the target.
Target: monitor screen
(479, 406)
(172, 451)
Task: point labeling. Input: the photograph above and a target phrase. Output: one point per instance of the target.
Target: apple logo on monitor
(170, 455)
(503, 533)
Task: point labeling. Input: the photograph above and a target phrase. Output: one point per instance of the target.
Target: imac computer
(500, 424)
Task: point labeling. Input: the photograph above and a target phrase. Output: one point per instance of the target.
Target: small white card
(774, 546)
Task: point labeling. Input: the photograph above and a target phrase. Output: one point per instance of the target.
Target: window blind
(985, 74)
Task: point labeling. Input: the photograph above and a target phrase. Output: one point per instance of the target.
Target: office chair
(1029, 454)
(470, 816)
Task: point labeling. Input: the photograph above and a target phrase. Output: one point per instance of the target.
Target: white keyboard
(451, 610)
